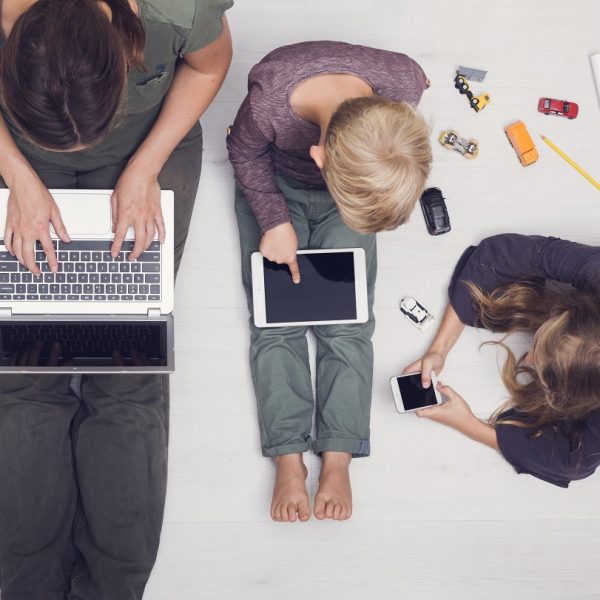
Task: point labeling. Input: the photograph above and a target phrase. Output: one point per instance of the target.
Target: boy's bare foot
(290, 500)
(334, 496)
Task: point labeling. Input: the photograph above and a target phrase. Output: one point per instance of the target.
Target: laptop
(96, 314)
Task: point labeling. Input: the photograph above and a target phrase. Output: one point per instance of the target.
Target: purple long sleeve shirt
(267, 137)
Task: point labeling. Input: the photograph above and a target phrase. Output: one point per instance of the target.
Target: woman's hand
(31, 210)
(279, 245)
(136, 203)
(431, 361)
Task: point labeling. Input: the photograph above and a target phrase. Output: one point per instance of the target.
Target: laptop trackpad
(85, 216)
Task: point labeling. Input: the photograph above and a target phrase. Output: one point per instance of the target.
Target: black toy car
(435, 211)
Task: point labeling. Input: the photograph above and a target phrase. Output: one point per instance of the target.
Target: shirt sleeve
(507, 257)
(406, 81)
(207, 24)
(249, 148)
(550, 456)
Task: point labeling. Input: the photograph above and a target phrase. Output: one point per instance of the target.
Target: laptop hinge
(153, 313)
(5, 313)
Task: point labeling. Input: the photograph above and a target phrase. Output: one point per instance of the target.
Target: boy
(327, 149)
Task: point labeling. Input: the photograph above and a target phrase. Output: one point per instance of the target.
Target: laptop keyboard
(86, 272)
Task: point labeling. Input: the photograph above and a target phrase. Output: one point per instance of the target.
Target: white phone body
(360, 282)
(400, 406)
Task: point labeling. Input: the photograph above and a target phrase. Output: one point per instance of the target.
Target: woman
(550, 428)
(95, 95)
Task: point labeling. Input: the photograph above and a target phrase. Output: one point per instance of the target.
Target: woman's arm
(30, 207)
(136, 199)
(434, 359)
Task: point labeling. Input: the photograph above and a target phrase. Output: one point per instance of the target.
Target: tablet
(333, 289)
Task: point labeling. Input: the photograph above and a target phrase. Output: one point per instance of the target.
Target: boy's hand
(431, 361)
(279, 245)
(454, 412)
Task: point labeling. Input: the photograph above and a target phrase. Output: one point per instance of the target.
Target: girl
(95, 95)
(550, 428)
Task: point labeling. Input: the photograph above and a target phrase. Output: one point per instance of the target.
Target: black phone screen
(413, 394)
(326, 291)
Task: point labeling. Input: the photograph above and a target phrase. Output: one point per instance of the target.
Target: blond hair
(378, 158)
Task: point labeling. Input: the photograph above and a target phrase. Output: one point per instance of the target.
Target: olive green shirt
(172, 28)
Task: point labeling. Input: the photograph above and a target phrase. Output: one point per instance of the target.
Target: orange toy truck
(521, 141)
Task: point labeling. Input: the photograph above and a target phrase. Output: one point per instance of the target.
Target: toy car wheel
(472, 149)
(474, 101)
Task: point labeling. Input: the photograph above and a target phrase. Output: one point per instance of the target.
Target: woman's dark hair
(63, 69)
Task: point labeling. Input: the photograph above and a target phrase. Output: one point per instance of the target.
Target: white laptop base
(90, 285)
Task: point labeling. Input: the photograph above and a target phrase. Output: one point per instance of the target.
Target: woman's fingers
(59, 226)
(8, 234)
(140, 241)
(48, 248)
(160, 227)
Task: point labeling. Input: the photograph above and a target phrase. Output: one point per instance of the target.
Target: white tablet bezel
(398, 396)
(360, 282)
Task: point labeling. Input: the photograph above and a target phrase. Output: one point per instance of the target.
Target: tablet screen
(326, 292)
(414, 395)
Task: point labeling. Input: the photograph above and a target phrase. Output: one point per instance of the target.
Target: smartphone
(409, 393)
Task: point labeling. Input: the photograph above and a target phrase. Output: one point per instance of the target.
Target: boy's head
(375, 160)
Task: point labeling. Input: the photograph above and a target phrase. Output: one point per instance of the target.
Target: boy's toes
(304, 510)
(337, 512)
(291, 513)
(346, 512)
(329, 507)
(319, 509)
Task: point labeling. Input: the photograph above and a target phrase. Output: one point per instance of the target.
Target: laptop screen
(83, 343)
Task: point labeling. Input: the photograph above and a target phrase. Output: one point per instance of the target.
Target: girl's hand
(431, 361)
(136, 203)
(454, 412)
(279, 245)
(31, 210)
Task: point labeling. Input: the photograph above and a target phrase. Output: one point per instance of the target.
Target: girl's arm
(136, 199)
(434, 359)
(456, 413)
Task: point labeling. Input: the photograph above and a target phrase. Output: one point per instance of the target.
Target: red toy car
(563, 108)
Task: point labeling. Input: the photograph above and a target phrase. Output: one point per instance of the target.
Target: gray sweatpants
(83, 481)
(279, 356)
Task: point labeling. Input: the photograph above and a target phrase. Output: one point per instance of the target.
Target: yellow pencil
(572, 163)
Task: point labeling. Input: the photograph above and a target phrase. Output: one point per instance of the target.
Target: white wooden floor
(435, 516)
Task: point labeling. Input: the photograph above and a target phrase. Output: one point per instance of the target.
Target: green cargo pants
(279, 356)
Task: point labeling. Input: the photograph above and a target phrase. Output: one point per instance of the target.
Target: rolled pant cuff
(287, 449)
(356, 447)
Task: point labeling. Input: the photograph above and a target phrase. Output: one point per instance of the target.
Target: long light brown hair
(63, 69)
(562, 388)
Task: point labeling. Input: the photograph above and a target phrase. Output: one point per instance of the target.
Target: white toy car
(416, 313)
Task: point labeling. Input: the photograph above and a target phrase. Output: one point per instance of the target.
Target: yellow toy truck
(522, 143)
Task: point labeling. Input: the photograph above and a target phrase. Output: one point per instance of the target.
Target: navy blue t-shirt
(504, 259)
